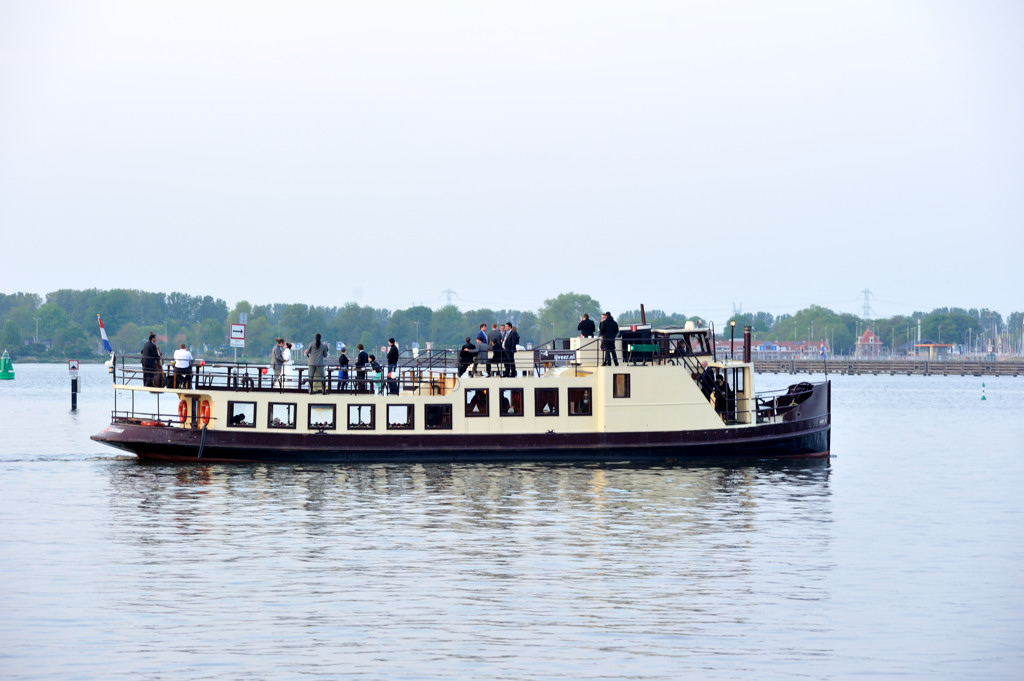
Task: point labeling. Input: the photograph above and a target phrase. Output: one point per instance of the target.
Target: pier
(909, 367)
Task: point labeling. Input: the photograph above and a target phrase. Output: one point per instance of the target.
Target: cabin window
(400, 417)
(322, 417)
(580, 403)
(242, 414)
(620, 385)
(476, 402)
(737, 380)
(511, 402)
(281, 415)
(438, 416)
(545, 401)
(360, 417)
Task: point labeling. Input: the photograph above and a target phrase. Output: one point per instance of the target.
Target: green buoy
(983, 391)
(6, 367)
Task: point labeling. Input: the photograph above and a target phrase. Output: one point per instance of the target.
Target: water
(901, 557)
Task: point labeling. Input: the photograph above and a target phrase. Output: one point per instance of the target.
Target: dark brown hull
(803, 439)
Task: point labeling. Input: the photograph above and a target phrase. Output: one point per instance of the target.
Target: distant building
(930, 350)
(868, 346)
(777, 349)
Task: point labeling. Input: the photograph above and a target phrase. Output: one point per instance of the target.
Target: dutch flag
(103, 335)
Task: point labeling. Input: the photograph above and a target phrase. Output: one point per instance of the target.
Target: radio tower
(867, 304)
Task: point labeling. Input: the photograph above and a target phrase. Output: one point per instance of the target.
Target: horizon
(231, 305)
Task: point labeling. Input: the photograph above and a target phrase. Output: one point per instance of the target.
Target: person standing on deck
(481, 350)
(316, 355)
(392, 376)
(362, 359)
(277, 361)
(586, 326)
(494, 340)
(609, 330)
(510, 345)
(342, 370)
(150, 362)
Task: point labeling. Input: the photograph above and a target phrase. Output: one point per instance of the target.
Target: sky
(695, 157)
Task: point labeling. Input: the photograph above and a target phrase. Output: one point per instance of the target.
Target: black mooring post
(73, 370)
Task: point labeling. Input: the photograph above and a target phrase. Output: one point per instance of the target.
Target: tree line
(64, 325)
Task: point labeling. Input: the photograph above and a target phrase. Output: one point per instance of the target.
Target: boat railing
(430, 371)
(143, 418)
(773, 404)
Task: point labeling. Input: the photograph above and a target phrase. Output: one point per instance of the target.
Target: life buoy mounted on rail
(204, 413)
(182, 411)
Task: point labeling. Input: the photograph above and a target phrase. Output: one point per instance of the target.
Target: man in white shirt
(182, 367)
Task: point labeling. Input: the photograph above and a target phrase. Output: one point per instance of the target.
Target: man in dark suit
(151, 374)
(362, 359)
(609, 330)
(509, 349)
(392, 376)
(494, 359)
(586, 326)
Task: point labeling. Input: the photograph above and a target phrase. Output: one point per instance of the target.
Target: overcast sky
(691, 156)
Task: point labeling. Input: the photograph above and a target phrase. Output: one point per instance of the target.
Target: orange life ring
(204, 413)
(182, 411)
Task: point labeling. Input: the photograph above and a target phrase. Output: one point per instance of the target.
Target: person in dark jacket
(392, 376)
(377, 371)
(509, 346)
(342, 370)
(362, 359)
(151, 363)
(494, 338)
(707, 380)
(723, 398)
(609, 330)
(586, 326)
(466, 354)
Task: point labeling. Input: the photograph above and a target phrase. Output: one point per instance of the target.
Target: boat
(558, 404)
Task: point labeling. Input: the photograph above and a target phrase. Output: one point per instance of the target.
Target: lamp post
(732, 338)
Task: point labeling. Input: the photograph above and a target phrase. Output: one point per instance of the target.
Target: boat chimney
(746, 344)
(643, 315)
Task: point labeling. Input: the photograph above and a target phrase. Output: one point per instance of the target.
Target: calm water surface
(900, 557)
